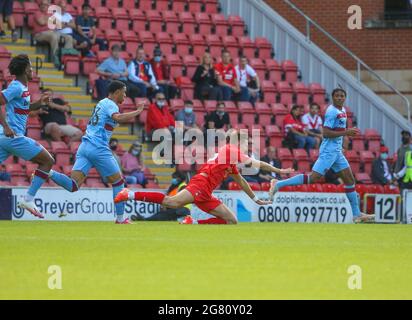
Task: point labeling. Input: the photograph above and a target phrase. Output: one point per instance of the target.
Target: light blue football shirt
(335, 119)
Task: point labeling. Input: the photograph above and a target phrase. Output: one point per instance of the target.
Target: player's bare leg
(45, 162)
(222, 213)
(117, 183)
(348, 179)
(179, 200)
(275, 184)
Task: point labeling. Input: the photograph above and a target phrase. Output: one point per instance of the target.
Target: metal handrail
(359, 62)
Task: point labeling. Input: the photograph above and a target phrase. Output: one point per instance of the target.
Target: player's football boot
(364, 218)
(30, 207)
(125, 221)
(122, 196)
(187, 220)
(272, 189)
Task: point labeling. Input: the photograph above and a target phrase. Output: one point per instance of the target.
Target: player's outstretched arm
(8, 132)
(247, 189)
(44, 100)
(125, 117)
(330, 133)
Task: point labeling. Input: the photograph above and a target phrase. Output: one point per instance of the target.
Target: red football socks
(155, 197)
(212, 221)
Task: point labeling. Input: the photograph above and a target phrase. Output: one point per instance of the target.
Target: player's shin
(39, 178)
(294, 181)
(155, 197)
(353, 200)
(64, 181)
(117, 187)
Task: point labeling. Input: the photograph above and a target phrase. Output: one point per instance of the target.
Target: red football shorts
(199, 188)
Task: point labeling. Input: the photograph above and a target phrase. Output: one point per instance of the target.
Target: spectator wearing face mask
(187, 116)
(381, 170)
(218, 119)
(406, 146)
(132, 164)
(159, 116)
(178, 183)
(162, 75)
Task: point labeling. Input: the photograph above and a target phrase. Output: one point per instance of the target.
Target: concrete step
(78, 98)
(33, 56)
(19, 49)
(82, 105)
(125, 137)
(57, 81)
(65, 89)
(7, 41)
(160, 170)
(50, 73)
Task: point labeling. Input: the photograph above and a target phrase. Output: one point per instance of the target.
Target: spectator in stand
(4, 175)
(85, 33)
(54, 119)
(161, 72)
(114, 68)
(313, 123)
(132, 164)
(406, 146)
(381, 170)
(66, 20)
(227, 77)
(270, 157)
(218, 119)
(6, 14)
(141, 75)
(42, 33)
(248, 81)
(296, 136)
(205, 79)
(187, 116)
(159, 116)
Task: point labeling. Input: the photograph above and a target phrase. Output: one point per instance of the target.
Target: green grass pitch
(156, 260)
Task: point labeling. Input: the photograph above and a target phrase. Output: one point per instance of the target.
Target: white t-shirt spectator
(245, 74)
(65, 18)
(312, 123)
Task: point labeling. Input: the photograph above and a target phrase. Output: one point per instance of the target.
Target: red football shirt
(223, 164)
(228, 73)
(290, 122)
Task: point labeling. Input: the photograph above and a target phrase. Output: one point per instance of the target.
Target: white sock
(28, 198)
(119, 218)
(131, 195)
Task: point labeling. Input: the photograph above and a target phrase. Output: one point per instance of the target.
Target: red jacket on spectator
(160, 70)
(158, 118)
(291, 122)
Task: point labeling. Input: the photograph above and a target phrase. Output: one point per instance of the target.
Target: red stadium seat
(231, 44)
(147, 40)
(274, 69)
(182, 44)
(331, 188)
(129, 4)
(265, 186)
(373, 139)
(186, 87)
(367, 158)
(291, 70)
(171, 20)
(162, 5)
(165, 41)
(286, 157)
(211, 6)
(188, 22)
(285, 92)
(353, 159)
(195, 5)
(191, 64)
(215, 44)
(220, 24)
(198, 43)
(259, 67)
(247, 112)
(264, 112)
(363, 178)
(122, 18)
(316, 187)
(255, 186)
(302, 159)
(179, 5)
(275, 135)
(204, 22)
(104, 17)
(280, 113)
(176, 65)
(237, 26)
(269, 91)
(302, 93)
(248, 47)
(145, 5)
(265, 48)
(318, 93)
(155, 20)
(139, 19)
(61, 152)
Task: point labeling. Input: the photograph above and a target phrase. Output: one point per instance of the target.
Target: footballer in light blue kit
(331, 156)
(13, 129)
(94, 150)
